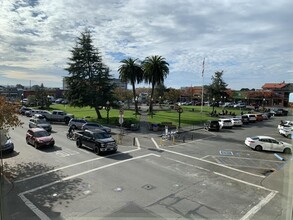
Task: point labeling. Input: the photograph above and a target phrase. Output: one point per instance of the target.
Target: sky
(250, 41)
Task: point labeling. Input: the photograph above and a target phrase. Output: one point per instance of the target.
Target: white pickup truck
(57, 116)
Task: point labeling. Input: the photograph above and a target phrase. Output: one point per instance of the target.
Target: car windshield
(101, 135)
(41, 134)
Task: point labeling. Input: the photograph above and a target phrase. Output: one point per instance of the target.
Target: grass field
(191, 115)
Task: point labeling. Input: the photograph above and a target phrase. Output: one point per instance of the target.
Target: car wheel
(78, 143)
(114, 151)
(258, 148)
(287, 151)
(74, 127)
(36, 145)
(97, 150)
(27, 141)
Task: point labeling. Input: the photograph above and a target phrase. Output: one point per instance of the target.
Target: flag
(202, 67)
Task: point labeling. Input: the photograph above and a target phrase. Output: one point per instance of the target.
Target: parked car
(36, 122)
(225, 123)
(244, 118)
(236, 122)
(251, 117)
(266, 116)
(285, 124)
(286, 131)
(260, 143)
(259, 117)
(76, 123)
(90, 126)
(31, 112)
(212, 125)
(239, 105)
(39, 137)
(6, 143)
(23, 109)
(281, 112)
(97, 140)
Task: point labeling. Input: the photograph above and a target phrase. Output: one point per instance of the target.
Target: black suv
(212, 125)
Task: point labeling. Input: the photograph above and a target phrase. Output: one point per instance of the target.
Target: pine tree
(89, 82)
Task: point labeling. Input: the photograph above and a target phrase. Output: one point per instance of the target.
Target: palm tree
(131, 72)
(155, 71)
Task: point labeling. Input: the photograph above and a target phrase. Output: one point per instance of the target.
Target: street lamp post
(179, 110)
(213, 104)
(263, 104)
(107, 109)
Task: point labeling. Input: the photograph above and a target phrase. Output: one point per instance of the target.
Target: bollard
(173, 139)
(133, 141)
(192, 137)
(183, 139)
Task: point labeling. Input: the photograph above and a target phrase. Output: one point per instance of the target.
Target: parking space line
(155, 143)
(137, 143)
(200, 159)
(72, 165)
(206, 156)
(257, 207)
(41, 214)
(203, 160)
(246, 158)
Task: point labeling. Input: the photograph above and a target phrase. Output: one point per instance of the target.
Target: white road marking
(256, 208)
(245, 158)
(72, 165)
(32, 207)
(203, 160)
(42, 215)
(205, 156)
(155, 143)
(137, 143)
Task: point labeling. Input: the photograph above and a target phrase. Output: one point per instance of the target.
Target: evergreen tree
(89, 82)
(218, 87)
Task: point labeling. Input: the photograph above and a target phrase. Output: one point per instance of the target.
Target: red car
(39, 137)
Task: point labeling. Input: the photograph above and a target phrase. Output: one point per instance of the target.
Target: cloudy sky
(251, 41)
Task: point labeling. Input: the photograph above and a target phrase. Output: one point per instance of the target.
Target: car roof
(262, 136)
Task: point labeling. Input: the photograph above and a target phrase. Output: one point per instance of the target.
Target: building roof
(274, 85)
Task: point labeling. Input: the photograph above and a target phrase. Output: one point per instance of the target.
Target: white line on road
(42, 215)
(205, 156)
(72, 165)
(137, 143)
(203, 160)
(256, 208)
(155, 143)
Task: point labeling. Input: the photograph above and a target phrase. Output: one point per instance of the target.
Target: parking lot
(212, 176)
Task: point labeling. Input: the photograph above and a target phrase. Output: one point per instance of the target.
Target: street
(213, 176)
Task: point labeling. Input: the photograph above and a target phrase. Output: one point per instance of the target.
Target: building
(282, 90)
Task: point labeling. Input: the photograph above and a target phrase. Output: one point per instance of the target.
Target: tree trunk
(98, 112)
(151, 101)
(134, 98)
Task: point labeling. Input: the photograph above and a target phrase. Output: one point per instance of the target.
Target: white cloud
(249, 40)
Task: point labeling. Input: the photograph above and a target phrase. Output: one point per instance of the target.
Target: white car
(251, 117)
(236, 122)
(286, 131)
(285, 124)
(260, 143)
(225, 123)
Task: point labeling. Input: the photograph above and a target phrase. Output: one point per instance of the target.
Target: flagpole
(202, 85)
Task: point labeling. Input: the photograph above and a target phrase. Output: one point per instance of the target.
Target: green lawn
(191, 115)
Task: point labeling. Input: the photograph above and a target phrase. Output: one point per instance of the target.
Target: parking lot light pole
(179, 110)
(107, 109)
(263, 104)
(213, 105)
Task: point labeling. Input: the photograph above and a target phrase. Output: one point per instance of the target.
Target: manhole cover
(226, 153)
(148, 187)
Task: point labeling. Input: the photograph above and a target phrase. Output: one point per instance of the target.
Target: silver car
(91, 126)
(40, 123)
(76, 123)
